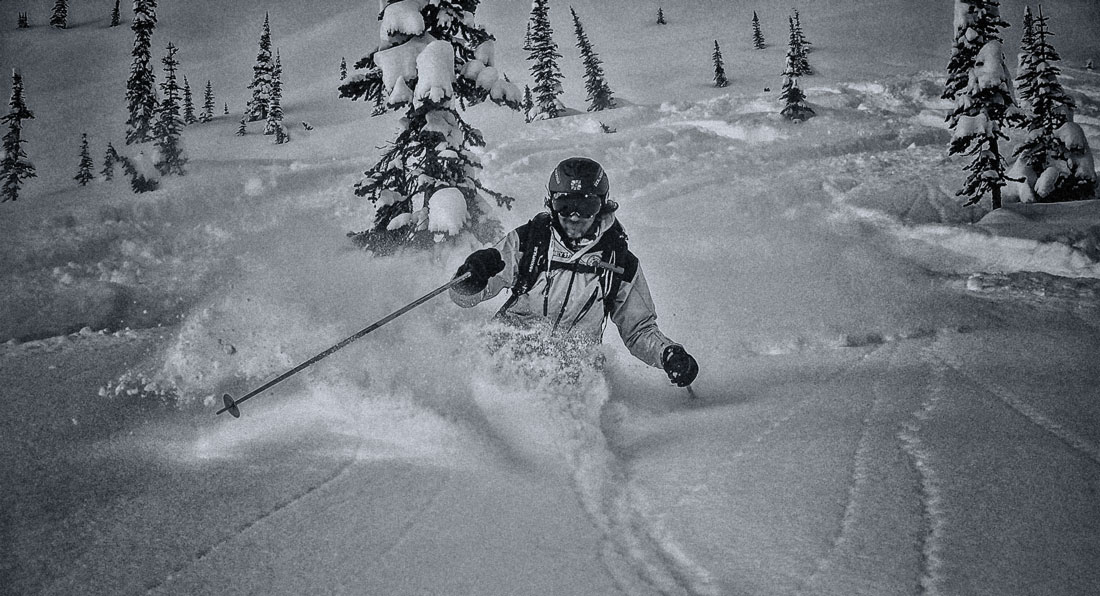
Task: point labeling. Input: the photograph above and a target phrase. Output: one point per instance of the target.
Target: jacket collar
(604, 221)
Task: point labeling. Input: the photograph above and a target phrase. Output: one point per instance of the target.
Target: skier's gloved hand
(680, 366)
(481, 265)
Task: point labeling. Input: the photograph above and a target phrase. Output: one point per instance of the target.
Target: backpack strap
(616, 261)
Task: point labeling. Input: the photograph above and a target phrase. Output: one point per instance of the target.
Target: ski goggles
(582, 203)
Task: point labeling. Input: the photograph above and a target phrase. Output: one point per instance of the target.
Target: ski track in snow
(279, 508)
(1081, 445)
(860, 472)
(929, 484)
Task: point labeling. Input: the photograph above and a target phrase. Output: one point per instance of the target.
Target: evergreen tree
(599, 93)
(243, 128)
(207, 104)
(274, 103)
(343, 69)
(544, 68)
(1045, 151)
(141, 96)
(757, 35)
(424, 187)
(984, 104)
(116, 16)
(110, 158)
(169, 126)
(225, 110)
(22, 22)
(796, 53)
(84, 174)
(794, 100)
(661, 16)
(261, 77)
(60, 17)
(188, 104)
(719, 70)
(528, 103)
(977, 22)
(14, 165)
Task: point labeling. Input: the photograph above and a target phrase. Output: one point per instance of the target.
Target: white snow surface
(898, 395)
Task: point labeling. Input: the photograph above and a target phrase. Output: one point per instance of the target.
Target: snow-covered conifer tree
(169, 126)
(757, 35)
(141, 96)
(242, 128)
(661, 16)
(207, 104)
(116, 16)
(984, 104)
(794, 100)
(719, 69)
(425, 187)
(599, 93)
(22, 22)
(225, 110)
(14, 165)
(261, 77)
(59, 19)
(796, 53)
(110, 158)
(274, 125)
(1045, 161)
(977, 22)
(528, 103)
(343, 69)
(84, 173)
(544, 68)
(188, 104)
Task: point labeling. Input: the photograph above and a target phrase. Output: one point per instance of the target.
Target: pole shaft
(348, 340)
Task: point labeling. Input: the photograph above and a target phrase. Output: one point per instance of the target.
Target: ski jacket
(576, 291)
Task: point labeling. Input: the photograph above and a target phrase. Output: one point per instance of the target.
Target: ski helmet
(579, 175)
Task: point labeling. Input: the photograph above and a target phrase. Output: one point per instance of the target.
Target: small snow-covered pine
(110, 158)
(207, 104)
(544, 59)
(1054, 162)
(59, 18)
(599, 93)
(274, 122)
(188, 104)
(984, 105)
(424, 187)
(141, 96)
(719, 69)
(261, 77)
(84, 173)
(169, 126)
(14, 165)
(116, 15)
(757, 34)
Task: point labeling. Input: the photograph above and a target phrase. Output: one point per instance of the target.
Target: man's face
(576, 226)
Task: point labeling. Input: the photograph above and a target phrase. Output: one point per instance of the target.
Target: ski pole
(231, 404)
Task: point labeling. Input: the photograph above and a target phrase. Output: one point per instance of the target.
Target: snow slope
(898, 394)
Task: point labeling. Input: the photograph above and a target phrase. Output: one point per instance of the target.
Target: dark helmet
(579, 175)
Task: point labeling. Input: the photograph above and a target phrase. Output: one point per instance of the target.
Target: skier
(570, 269)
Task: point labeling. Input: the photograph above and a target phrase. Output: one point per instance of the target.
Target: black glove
(481, 265)
(680, 366)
